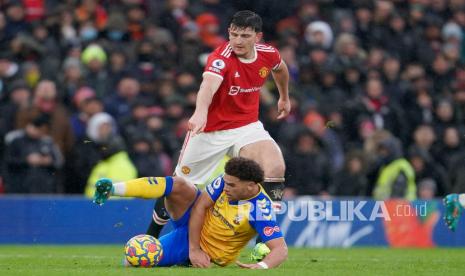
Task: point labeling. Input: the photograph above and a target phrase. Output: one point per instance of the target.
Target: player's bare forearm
(195, 227)
(204, 98)
(207, 90)
(197, 218)
(197, 256)
(278, 252)
(281, 78)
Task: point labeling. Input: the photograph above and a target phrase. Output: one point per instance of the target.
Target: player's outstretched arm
(281, 78)
(278, 252)
(197, 256)
(277, 255)
(207, 90)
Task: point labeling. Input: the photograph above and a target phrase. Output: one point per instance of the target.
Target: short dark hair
(245, 169)
(247, 19)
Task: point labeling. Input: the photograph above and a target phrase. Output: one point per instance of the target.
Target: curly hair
(245, 169)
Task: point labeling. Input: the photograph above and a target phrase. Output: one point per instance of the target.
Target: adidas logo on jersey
(236, 75)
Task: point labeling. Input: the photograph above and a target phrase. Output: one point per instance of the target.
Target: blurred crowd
(92, 89)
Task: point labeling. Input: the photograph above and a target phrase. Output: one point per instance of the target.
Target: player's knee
(275, 169)
(181, 186)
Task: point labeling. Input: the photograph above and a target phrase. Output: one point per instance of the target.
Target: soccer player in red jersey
(225, 121)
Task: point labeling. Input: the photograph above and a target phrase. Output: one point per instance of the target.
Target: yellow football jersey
(229, 226)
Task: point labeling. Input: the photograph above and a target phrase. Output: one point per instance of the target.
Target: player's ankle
(462, 200)
(118, 189)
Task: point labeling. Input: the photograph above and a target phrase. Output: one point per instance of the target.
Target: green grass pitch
(106, 260)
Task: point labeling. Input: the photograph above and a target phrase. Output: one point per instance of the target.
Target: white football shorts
(202, 153)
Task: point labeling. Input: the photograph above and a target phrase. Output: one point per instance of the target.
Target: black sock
(274, 189)
(159, 218)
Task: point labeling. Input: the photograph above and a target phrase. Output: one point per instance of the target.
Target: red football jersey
(235, 104)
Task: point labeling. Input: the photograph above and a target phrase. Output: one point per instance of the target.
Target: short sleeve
(215, 188)
(263, 220)
(216, 65)
(275, 60)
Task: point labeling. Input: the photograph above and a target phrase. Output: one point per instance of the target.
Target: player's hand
(249, 266)
(197, 122)
(199, 258)
(284, 107)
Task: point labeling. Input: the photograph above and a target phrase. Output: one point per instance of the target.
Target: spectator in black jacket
(352, 180)
(32, 159)
(426, 168)
(146, 160)
(308, 170)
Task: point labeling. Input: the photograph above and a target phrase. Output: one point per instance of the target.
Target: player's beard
(243, 52)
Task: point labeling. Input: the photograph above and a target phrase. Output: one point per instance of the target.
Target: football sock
(145, 187)
(462, 200)
(159, 218)
(274, 187)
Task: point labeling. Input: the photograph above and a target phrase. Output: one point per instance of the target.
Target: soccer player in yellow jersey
(214, 225)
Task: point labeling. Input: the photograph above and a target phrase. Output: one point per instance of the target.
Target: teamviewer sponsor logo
(234, 90)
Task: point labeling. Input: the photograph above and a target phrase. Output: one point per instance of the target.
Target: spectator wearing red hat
(209, 27)
(91, 10)
(34, 9)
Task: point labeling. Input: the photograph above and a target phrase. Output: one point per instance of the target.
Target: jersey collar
(244, 60)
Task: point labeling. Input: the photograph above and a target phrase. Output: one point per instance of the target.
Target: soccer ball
(143, 251)
(259, 252)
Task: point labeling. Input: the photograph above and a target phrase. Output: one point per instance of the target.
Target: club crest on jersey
(238, 218)
(185, 170)
(218, 63)
(263, 72)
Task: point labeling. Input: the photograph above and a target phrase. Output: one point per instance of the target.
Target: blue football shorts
(176, 243)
